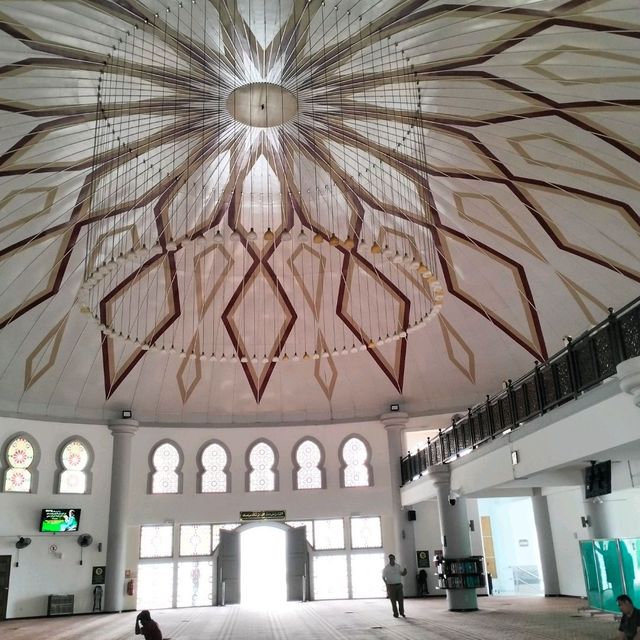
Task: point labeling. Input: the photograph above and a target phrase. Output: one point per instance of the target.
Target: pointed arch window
(261, 467)
(74, 461)
(214, 461)
(166, 464)
(20, 458)
(308, 471)
(356, 463)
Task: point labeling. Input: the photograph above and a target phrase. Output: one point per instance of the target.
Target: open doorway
(263, 566)
(510, 545)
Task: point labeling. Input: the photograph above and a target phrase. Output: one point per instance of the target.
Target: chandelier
(244, 206)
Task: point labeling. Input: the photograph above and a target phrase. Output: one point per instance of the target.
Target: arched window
(356, 467)
(20, 458)
(214, 464)
(166, 462)
(74, 460)
(261, 467)
(308, 470)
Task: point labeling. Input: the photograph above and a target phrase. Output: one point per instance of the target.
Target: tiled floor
(427, 619)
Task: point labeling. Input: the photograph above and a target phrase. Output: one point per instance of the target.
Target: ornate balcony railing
(584, 363)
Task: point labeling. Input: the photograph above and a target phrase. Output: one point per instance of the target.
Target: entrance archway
(262, 562)
(263, 566)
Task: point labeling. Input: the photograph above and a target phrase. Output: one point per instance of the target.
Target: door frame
(251, 525)
(4, 598)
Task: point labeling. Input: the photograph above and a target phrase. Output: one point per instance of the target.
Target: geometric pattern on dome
(458, 350)
(410, 156)
(44, 356)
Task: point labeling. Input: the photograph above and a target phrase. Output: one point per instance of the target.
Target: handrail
(584, 363)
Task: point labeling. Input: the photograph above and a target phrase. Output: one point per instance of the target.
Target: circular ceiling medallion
(262, 104)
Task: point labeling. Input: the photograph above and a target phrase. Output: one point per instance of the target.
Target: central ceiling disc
(262, 104)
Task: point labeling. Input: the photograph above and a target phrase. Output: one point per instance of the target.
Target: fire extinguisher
(130, 587)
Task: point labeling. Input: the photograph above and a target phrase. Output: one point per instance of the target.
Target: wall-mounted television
(597, 479)
(59, 520)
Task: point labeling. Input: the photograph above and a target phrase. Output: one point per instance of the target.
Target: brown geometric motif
(450, 335)
(43, 357)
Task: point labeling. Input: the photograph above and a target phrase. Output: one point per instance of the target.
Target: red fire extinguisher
(130, 587)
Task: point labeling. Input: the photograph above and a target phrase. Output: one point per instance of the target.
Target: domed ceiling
(268, 211)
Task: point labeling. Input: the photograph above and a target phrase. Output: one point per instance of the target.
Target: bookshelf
(460, 573)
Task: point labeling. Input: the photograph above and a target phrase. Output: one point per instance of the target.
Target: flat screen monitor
(59, 520)
(597, 479)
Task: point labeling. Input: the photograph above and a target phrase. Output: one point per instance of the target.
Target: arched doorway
(262, 562)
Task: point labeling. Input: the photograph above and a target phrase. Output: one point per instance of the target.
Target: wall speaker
(411, 515)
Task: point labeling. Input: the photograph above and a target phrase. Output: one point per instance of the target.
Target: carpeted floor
(427, 619)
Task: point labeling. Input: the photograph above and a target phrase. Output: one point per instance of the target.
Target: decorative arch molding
(177, 469)
(32, 469)
(345, 464)
(202, 470)
(251, 469)
(86, 470)
(320, 466)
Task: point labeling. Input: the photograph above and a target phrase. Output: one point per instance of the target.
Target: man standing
(630, 622)
(147, 627)
(392, 576)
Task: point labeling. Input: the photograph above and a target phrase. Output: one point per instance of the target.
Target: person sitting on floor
(147, 627)
(630, 618)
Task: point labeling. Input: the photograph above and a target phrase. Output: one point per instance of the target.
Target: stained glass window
(165, 462)
(74, 459)
(366, 533)
(330, 577)
(215, 532)
(195, 540)
(328, 534)
(156, 541)
(366, 569)
(355, 456)
(155, 586)
(308, 474)
(195, 584)
(214, 477)
(307, 524)
(19, 455)
(262, 460)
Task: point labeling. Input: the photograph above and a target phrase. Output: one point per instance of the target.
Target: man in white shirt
(392, 576)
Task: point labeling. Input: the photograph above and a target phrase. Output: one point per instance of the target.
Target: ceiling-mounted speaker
(85, 540)
(23, 542)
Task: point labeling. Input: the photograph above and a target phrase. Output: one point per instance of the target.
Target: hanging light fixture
(190, 278)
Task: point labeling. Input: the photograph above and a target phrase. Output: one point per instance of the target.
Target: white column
(122, 432)
(454, 528)
(545, 544)
(404, 547)
(629, 376)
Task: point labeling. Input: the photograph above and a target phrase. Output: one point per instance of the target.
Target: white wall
(190, 507)
(40, 573)
(426, 530)
(616, 517)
